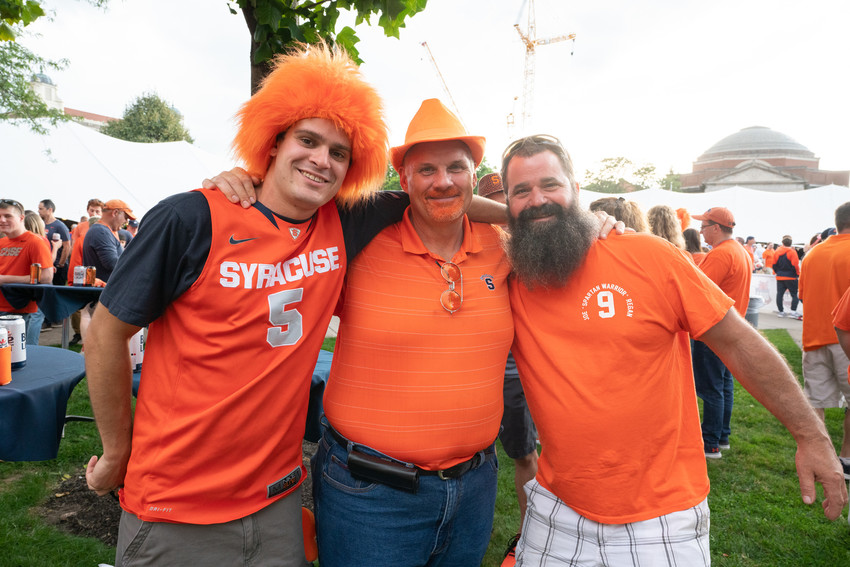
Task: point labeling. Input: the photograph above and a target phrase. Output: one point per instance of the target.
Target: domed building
(759, 158)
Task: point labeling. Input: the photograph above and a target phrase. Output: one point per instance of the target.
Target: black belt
(456, 471)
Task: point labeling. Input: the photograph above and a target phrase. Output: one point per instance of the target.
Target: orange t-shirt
(79, 232)
(606, 368)
(410, 379)
(697, 257)
(730, 266)
(841, 317)
(767, 257)
(824, 277)
(16, 257)
(222, 405)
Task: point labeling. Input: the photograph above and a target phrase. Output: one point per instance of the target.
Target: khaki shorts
(825, 377)
(271, 537)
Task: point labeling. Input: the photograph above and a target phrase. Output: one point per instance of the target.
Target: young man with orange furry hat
(237, 302)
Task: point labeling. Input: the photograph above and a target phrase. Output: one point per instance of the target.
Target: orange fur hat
(317, 81)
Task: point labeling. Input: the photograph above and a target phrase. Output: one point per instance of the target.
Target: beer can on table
(17, 329)
(79, 275)
(91, 272)
(35, 273)
(5, 358)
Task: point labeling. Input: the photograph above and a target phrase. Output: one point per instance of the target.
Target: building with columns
(759, 158)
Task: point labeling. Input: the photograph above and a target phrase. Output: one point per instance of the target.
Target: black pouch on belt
(376, 469)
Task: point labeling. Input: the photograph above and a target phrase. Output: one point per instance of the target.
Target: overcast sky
(656, 81)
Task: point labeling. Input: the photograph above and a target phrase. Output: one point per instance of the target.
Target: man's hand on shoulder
(236, 185)
(607, 223)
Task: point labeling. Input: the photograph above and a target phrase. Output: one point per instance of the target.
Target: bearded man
(601, 345)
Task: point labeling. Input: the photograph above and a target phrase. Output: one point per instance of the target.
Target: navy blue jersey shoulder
(164, 259)
(364, 221)
(169, 252)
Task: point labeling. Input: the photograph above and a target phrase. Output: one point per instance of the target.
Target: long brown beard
(547, 253)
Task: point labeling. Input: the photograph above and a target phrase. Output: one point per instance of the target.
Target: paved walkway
(769, 320)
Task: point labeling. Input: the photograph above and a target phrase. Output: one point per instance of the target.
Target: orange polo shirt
(410, 379)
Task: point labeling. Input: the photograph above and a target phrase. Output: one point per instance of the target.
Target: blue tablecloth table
(57, 302)
(32, 406)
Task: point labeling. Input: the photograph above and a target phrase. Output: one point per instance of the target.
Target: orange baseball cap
(119, 205)
(433, 122)
(489, 184)
(720, 215)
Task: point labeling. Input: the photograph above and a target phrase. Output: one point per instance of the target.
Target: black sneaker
(845, 464)
(76, 340)
(510, 552)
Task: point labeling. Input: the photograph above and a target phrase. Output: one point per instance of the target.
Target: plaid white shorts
(553, 534)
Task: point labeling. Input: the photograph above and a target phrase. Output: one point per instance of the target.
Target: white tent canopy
(73, 164)
(766, 215)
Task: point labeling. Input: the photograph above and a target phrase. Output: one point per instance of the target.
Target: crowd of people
(510, 315)
(58, 246)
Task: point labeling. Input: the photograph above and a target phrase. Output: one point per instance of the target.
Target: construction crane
(442, 80)
(531, 42)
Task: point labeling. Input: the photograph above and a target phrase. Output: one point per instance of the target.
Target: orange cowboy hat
(434, 122)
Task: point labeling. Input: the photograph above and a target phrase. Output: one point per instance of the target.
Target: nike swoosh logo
(234, 241)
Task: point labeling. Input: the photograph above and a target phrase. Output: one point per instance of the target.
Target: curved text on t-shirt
(604, 293)
(257, 276)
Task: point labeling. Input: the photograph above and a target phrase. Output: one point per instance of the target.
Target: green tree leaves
(149, 119)
(276, 24)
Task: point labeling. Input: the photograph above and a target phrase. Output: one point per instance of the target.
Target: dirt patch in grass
(75, 509)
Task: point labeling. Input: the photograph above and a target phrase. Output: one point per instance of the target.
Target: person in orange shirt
(692, 245)
(730, 266)
(19, 249)
(768, 255)
(786, 266)
(94, 208)
(237, 303)
(622, 474)
(824, 278)
(426, 411)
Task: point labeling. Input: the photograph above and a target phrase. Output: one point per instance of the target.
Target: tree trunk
(258, 70)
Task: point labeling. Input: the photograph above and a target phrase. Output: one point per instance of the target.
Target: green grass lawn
(758, 518)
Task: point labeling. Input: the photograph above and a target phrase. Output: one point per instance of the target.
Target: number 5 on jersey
(287, 330)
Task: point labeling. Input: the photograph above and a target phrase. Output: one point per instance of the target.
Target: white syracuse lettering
(258, 276)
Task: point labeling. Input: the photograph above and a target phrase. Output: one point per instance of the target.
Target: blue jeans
(791, 286)
(358, 523)
(716, 389)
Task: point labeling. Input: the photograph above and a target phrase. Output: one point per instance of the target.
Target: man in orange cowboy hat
(412, 413)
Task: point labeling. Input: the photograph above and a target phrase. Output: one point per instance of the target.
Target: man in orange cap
(101, 246)
(237, 302)
(730, 266)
